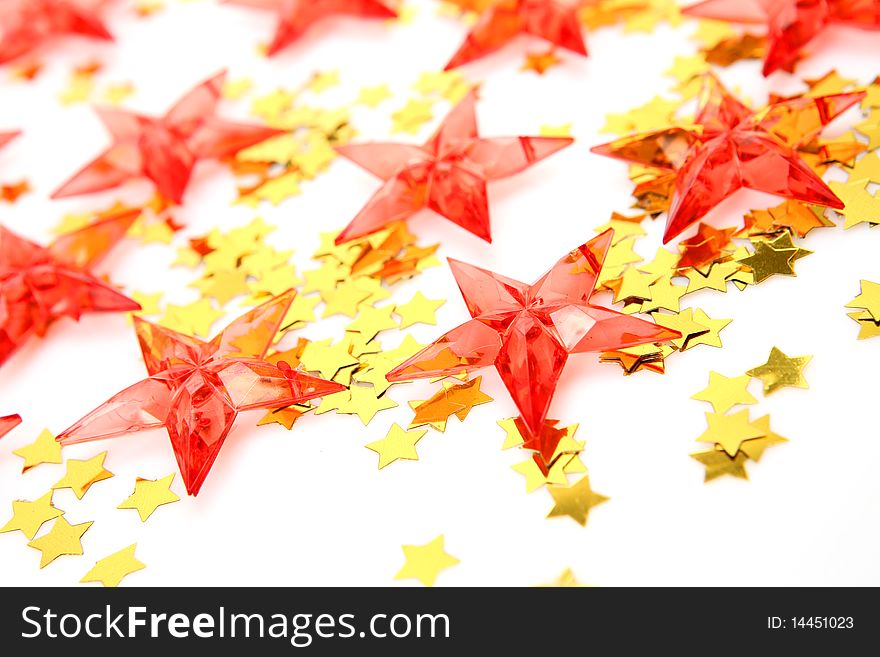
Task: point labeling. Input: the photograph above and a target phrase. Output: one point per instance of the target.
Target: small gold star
(110, 571)
(780, 371)
(149, 495)
(417, 310)
(575, 501)
(30, 516)
(729, 431)
(724, 393)
(425, 562)
(82, 474)
(397, 444)
(63, 538)
(44, 449)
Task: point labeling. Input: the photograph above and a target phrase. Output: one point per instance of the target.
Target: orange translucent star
(791, 24)
(39, 285)
(165, 149)
(528, 331)
(555, 21)
(27, 24)
(448, 174)
(295, 17)
(732, 148)
(196, 389)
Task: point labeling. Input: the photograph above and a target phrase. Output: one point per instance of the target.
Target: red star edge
(8, 423)
(295, 17)
(39, 285)
(791, 24)
(6, 137)
(27, 24)
(528, 331)
(165, 149)
(553, 20)
(734, 148)
(196, 389)
(448, 174)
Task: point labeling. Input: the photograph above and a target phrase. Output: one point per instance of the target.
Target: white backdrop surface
(308, 507)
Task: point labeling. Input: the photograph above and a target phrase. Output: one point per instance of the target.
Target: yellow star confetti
(426, 562)
(780, 371)
(110, 571)
(729, 431)
(62, 539)
(575, 501)
(44, 449)
(726, 392)
(82, 474)
(418, 310)
(149, 495)
(397, 444)
(29, 516)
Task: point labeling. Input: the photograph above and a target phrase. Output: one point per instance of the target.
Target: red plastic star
(791, 24)
(165, 149)
(8, 423)
(554, 20)
(448, 174)
(6, 137)
(41, 284)
(736, 148)
(295, 17)
(26, 24)
(528, 331)
(197, 389)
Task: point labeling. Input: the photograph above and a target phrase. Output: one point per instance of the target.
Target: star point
(111, 570)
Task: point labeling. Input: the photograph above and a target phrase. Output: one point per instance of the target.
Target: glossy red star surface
(791, 24)
(8, 423)
(196, 389)
(448, 174)
(39, 285)
(734, 148)
(27, 24)
(295, 17)
(528, 331)
(6, 137)
(165, 149)
(553, 20)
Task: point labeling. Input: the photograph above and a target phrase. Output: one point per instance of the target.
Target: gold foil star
(426, 562)
(149, 495)
(82, 474)
(365, 403)
(869, 299)
(418, 310)
(566, 579)
(397, 444)
(575, 501)
(729, 431)
(780, 371)
(110, 571)
(43, 450)
(724, 393)
(29, 516)
(719, 463)
(63, 538)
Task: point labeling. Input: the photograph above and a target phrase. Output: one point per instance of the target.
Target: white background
(309, 507)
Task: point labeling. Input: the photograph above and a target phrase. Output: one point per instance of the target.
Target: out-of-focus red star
(26, 24)
(554, 20)
(528, 331)
(39, 285)
(297, 16)
(197, 389)
(448, 174)
(735, 147)
(6, 137)
(791, 24)
(165, 149)
(8, 423)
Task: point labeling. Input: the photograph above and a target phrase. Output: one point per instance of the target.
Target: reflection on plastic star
(528, 331)
(8, 423)
(26, 24)
(196, 389)
(791, 24)
(295, 17)
(735, 148)
(165, 149)
(553, 20)
(448, 174)
(39, 285)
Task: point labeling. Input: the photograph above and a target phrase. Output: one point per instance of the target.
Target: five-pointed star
(30, 516)
(81, 475)
(733, 148)
(454, 399)
(27, 24)
(295, 17)
(726, 392)
(397, 444)
(869, 299)
(776, 256)
(196, 389)
(7, 424)
(165, 149)
(791, 24)
(528, 331)
(780, 371)
(425, 562)
(45, 449)
(110, 571)
(63, 538)
(149, 495)
(448, 174)
(39, 285)
(553, 20)
(718, 463)
(419, 309)
(575, 501)
(729, 431)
